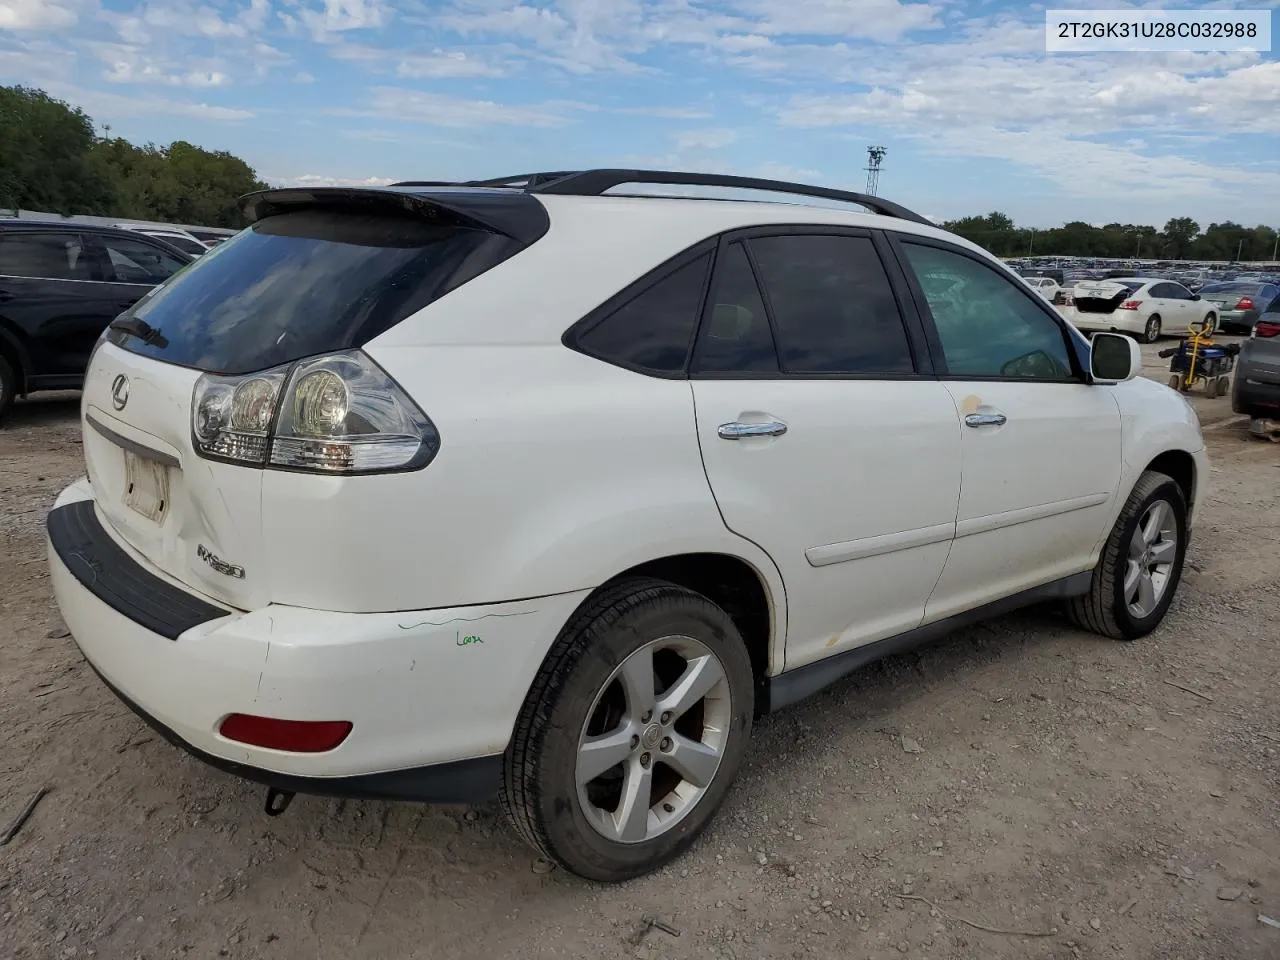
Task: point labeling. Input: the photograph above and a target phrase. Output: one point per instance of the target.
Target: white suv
(523, 488)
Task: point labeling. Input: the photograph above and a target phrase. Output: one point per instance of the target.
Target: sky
(974, 114)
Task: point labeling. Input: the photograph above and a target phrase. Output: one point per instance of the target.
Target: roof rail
(586, 183)
(527, 180)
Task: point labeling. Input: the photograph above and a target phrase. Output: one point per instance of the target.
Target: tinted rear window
(304, 283)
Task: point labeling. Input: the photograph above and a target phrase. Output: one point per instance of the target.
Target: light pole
(1239, 247)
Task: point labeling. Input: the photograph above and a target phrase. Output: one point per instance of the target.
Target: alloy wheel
(1153, 549)
(653, 739)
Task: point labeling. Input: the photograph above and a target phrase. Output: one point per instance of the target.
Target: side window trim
(572, 337)
(913, 322)
(1077, 348)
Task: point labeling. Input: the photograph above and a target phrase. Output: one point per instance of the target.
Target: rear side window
(833, 308)
(44, 256)
(308, 282)
(653, 330)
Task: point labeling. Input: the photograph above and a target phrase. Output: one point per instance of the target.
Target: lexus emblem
(120, 391)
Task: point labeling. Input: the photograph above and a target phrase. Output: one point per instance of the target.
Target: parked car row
(60, 285)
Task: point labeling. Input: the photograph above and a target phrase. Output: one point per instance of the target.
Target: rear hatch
(1101, 296)
(317, 275)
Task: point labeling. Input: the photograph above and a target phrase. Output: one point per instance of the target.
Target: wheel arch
(12, 350)
(750, 594)
(1181, 467)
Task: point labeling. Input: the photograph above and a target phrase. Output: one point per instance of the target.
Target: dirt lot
(1097, 799)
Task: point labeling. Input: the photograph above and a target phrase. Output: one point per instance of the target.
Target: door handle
(738, 430)
(985, 420)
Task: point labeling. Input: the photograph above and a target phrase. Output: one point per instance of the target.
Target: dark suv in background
(60, 285)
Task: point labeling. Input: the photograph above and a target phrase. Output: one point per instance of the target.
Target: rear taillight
(1130, 305)
(294, 736)
(339, 414)
(1266, 329)
(1244, 304)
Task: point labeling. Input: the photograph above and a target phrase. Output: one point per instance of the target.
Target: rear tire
(1152, 332)
(1141, 563)
(8, 386)
(1211, 324)
(591, 703)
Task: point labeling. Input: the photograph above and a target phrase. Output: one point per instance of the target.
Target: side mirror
(1114, 358)
(1195, 296)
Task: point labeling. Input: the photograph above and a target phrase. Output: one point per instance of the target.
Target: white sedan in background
(1143, 306)
(1047, 287)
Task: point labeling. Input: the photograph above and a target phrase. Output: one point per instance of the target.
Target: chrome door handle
(738, 430)
(985, 420)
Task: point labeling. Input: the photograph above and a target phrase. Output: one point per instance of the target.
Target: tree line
(1181, 239)
(53, 159)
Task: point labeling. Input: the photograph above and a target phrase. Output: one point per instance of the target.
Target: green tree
(1179, 234)
(51, 159)
(46, 156)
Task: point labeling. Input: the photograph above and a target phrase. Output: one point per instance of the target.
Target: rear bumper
(1254, 397)
(432, 711)
(1118, 321)
(1236, 319)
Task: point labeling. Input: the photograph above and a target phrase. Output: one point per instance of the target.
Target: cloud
(440, 110)
(319, 180)
(704, 139)
(876, 19)
(667, 113)
(339, 16)
(126, 64)
(104, 106)
(440, 64)
(37, 14)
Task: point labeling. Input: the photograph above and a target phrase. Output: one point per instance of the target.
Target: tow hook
(278, 801)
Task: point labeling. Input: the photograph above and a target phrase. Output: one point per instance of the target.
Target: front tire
(1141, 563)
(8, 386)
(1152, 332)
(632, 733)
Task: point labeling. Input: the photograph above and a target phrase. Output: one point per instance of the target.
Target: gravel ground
(1022, 790)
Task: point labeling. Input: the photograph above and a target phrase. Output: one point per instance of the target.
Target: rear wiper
(140, 329)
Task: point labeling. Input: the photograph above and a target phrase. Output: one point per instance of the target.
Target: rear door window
(833, 307)
(45, 256)
(308, 282)
(130, 260)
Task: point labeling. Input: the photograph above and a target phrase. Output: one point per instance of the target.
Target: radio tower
(875, 157)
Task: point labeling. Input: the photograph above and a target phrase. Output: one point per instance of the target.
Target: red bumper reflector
(294, 736)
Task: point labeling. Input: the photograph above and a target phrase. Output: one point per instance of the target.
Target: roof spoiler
(514, 214)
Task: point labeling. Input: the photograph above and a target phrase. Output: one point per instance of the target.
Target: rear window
(185, 244)
(304, 283)
(1242, 289)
